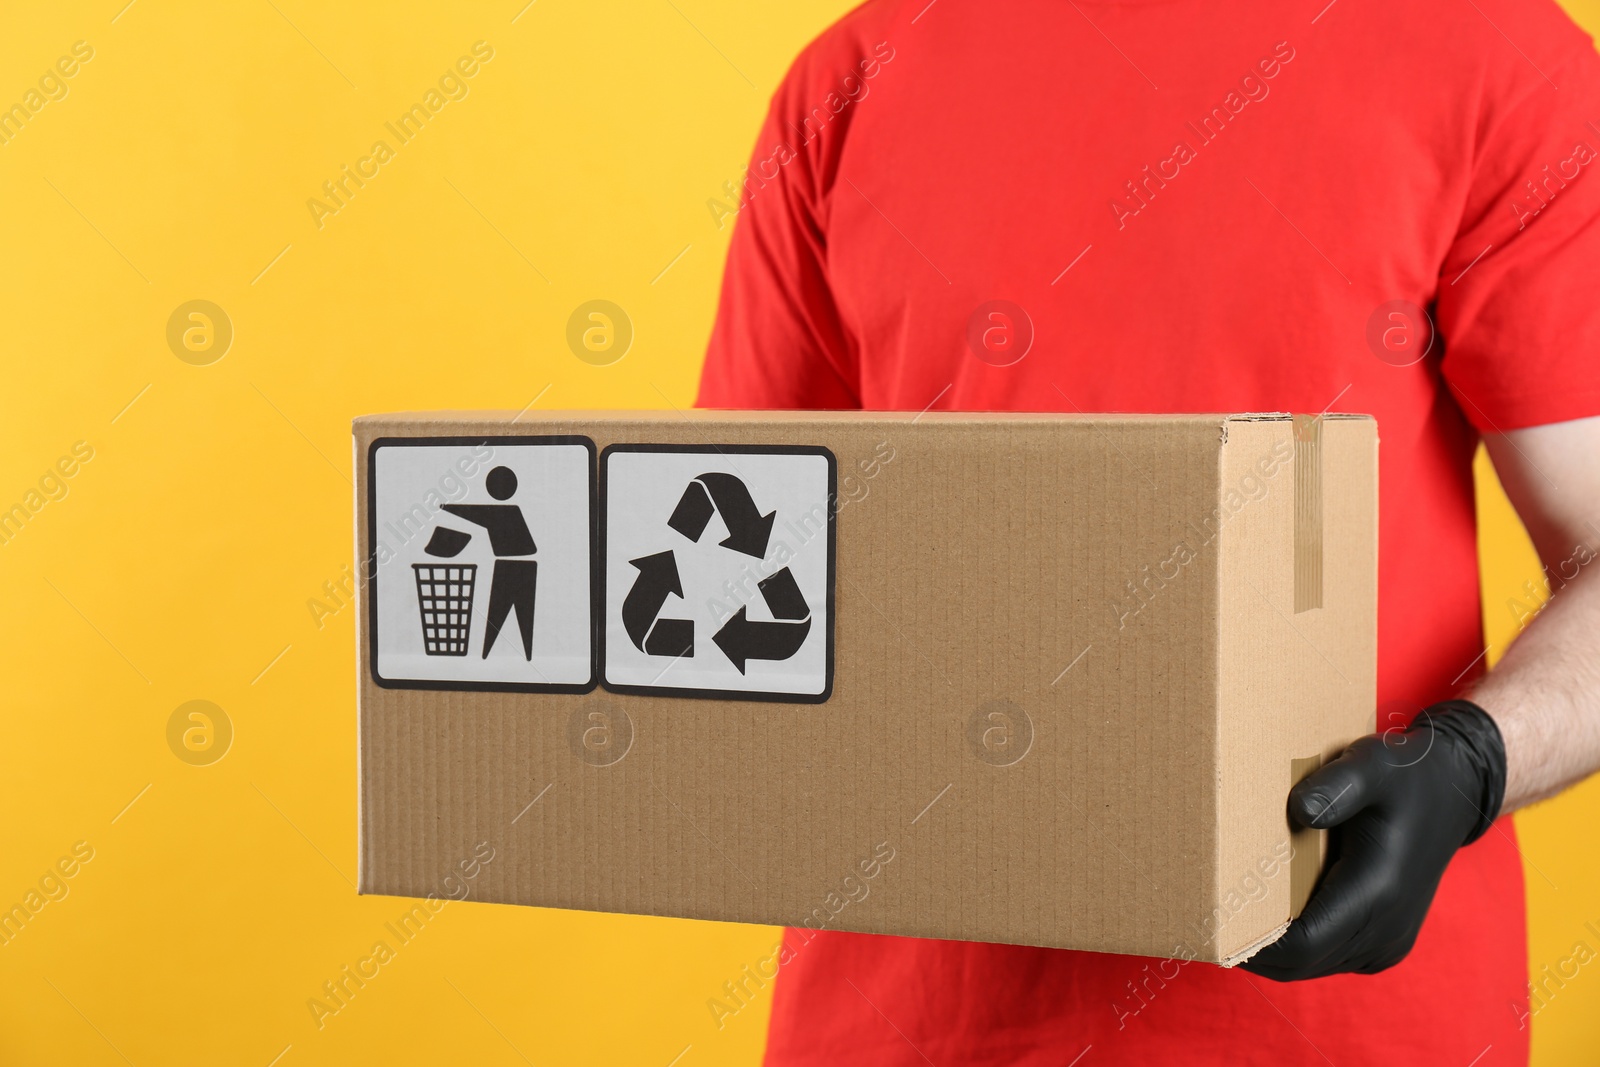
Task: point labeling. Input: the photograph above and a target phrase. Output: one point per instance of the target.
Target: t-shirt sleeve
(1519, 292)
(778, 341)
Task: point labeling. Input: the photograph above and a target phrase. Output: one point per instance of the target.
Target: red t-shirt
(1188, 206)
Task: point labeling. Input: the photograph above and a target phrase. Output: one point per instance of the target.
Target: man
(1191, 206)
(516, 578)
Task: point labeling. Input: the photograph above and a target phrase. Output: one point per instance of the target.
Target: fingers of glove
(1328, 933)
(1332, 794)
(1397, 943)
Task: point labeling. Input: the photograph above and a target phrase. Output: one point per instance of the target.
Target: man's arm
(1403, 803)
(1545, 693)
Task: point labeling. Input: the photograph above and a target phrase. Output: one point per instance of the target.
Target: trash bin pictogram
(444, 599)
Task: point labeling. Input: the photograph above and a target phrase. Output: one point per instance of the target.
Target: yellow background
(179, 564)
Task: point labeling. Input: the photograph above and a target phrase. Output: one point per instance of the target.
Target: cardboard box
(1036, 679)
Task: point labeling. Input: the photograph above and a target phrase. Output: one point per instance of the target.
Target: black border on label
(722, 694)
(596, 602)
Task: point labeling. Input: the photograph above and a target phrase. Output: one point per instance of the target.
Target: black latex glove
(1399, 804)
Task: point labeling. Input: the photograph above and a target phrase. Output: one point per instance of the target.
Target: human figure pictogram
(515, 576)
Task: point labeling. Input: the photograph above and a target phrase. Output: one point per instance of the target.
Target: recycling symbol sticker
(718, 571)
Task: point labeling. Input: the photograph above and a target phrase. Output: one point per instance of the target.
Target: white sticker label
(482, 553)
(719, 571)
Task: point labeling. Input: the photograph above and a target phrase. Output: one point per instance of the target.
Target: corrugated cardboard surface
(1297, 682)
(1028, 740)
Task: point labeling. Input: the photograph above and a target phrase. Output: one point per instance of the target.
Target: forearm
(1545, 693)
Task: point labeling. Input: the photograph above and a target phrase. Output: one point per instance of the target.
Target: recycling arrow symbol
(658, 579)
(748, 529)
(741, 638)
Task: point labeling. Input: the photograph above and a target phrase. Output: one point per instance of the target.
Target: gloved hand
(1400, 804)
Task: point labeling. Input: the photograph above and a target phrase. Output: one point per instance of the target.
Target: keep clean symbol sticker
(719, 571)
(480, 571)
